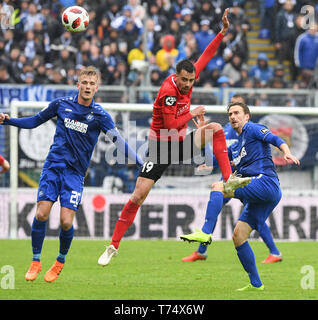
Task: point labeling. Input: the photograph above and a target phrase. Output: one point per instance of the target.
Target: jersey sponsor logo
(170, 101)
(70, 110)
(264, 130)
(75, 125)
(89, 117)
(238, 159)
(182, 109)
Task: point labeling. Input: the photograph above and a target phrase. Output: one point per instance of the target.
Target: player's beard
(184, 90)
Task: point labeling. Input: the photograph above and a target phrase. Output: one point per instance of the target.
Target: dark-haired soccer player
(252, 157)
(211, 215)
(79, 123)
(4, 164)
(168, 142)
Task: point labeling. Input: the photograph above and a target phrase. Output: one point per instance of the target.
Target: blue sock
(202, 248)
(38, 231)
(66, 237)
(247, 258)
(213, 209)
(267, 237)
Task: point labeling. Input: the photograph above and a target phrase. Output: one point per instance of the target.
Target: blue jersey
(251, 154)
(231, 136)
(77, 131)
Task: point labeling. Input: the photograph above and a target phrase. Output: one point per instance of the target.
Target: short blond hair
(90, 71)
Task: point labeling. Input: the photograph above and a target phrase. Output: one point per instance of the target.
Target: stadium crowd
(38, 50)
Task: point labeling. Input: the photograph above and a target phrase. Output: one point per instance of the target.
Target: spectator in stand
(238, 17)
(137, 53)
(176, 8)
(138, 11)
(160, 21)
(186, 20)
(4, 75)
(120, 22)
(168, 49)
(94, 56)
(243, 77)
(267, 12)
(204, 11)
(262, 71)
(306, 49)
(65, 41)
(156, 77)
(233, 69)
(188, 48)
(52, 26)
(41, 75)
(8, 36)
(279, 73)
(203, 38)
(284, 28)
(120, 76)
(130, 34)
(222, 82)
(108, 64)
(103, 28)
(57, 77)
(174, 29)
(13, 64)
(113, 11)
(31, 17)
(42, 40)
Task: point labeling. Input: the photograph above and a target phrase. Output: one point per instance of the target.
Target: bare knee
(138, 197)
(143, 187)
(241, 233)
(43, 210)
(66, 224)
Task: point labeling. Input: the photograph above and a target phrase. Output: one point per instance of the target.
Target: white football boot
(105, 258)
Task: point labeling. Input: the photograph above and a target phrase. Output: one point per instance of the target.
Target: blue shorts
(259, 197)
(58, 180)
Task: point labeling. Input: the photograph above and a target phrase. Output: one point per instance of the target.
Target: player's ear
(77, 84)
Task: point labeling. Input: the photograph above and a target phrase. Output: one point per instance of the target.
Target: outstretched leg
(127, 216)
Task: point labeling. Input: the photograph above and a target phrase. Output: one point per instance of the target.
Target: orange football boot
(273, 258)
(195, 256)
(33, 271)
(53, 273)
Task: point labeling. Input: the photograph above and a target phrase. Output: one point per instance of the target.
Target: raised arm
(124, 148)
(210, 50)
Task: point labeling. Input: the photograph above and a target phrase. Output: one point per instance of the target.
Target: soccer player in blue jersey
(79, 123)
(203, 235)
(252, 157)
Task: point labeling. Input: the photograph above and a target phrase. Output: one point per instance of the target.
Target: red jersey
(170, 102)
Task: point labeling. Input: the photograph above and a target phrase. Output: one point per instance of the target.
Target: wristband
(1, 160)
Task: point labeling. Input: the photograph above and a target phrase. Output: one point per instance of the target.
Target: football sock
(66, 237)
(38, 231)
(213, 209)
(266, 235)
(220, 153)
(202, 248)
(126, 219)
(247, 258)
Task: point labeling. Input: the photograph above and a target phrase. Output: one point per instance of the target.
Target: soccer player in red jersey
(4, 164)
(168, 142)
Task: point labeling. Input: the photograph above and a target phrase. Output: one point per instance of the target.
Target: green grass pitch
(152, 270)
